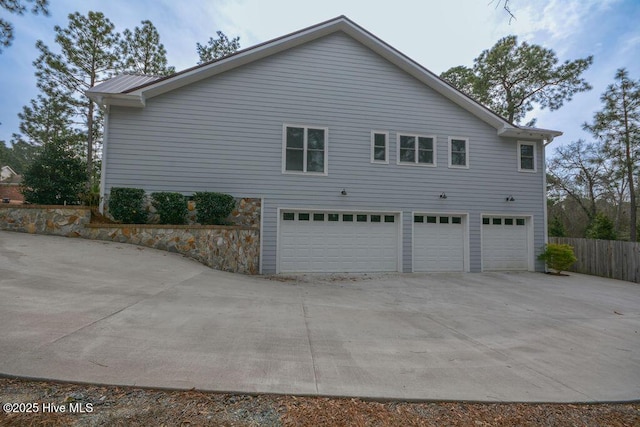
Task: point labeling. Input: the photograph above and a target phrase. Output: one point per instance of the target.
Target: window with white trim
(379, 147)
(304, 150)
(416, 149)
(458, 152)
(526, 156)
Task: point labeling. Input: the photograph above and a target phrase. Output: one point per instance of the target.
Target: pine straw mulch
(98, 218)
(130, 406)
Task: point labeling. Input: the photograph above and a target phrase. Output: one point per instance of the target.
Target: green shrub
(601, 228)
(127, 205)
(56, 176)
(558, 257)
(556, 228)
(213, 208)
(171, 207)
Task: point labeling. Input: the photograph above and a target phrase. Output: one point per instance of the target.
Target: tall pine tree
(142, 53)
(217, 48)
(88, 55)
(511, 78)
(18, 7)
(617, 126)
(49, 117)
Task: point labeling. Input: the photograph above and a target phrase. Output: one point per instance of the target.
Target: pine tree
(18, 7)
(49, 117)
(217, 48)
(511, 78)
(88, 56)
(142, 53)
(617, 126)
(556, 228)
(601, 228)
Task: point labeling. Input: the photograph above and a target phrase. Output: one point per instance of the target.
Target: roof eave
(121, 100)
(529, 133)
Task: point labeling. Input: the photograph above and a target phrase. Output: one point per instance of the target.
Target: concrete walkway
(86, 311)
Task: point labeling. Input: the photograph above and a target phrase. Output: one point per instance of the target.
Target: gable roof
(128, 91)
(7, 173)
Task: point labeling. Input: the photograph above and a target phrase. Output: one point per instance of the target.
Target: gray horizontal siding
(225, 134)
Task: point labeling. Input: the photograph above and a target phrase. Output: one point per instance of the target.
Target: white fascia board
(119, 99)
(530, 133)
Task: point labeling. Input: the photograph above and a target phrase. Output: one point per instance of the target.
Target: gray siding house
(364, 160)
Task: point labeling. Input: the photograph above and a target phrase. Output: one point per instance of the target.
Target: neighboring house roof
(15, 179)
(7, 173)
(127, 92)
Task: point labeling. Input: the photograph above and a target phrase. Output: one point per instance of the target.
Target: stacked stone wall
(229, 248)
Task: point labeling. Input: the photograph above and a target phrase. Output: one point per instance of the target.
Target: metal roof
(122, 83)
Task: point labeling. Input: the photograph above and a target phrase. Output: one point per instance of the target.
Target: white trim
(9, 170)
(465, 224)
(528, 132)
(545, 216)
(304, 148)
(416, 150)
(386, 146)
(535, 157)
(530, 236)
(103, 166)
(467, 152)
(400, 232)
(261, 259)
(399, 224)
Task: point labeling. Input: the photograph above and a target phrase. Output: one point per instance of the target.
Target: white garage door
(505, 244)
(337, 242)
(438, 243)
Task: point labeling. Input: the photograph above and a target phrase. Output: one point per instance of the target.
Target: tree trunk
(633, 235)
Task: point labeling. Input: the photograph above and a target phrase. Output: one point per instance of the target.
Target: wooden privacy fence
(608, 258)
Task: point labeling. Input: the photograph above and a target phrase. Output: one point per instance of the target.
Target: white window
(526, 157)
(458, 152)
(416, 150)
(304, 149)
(379, 147)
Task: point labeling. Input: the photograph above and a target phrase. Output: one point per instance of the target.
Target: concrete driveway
(87, 311)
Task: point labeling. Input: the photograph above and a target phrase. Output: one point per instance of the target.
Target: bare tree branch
(505, 6)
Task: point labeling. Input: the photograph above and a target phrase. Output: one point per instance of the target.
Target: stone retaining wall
(228, 248)
(58, 220)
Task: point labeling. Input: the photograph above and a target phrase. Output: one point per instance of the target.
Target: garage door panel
(337, 246)
(438, 246)
(505, 244)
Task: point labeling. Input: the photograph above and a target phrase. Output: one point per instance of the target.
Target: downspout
(544, 193)
(103, 168)
(545, 214)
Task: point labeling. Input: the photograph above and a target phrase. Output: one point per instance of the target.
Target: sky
(438, 34)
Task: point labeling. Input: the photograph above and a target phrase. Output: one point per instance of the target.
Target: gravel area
(88, 405)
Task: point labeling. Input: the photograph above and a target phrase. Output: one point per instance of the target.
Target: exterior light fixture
(443, 195)
(510, 199)
(343, 192)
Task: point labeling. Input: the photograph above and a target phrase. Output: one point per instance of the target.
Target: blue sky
(439, 34)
